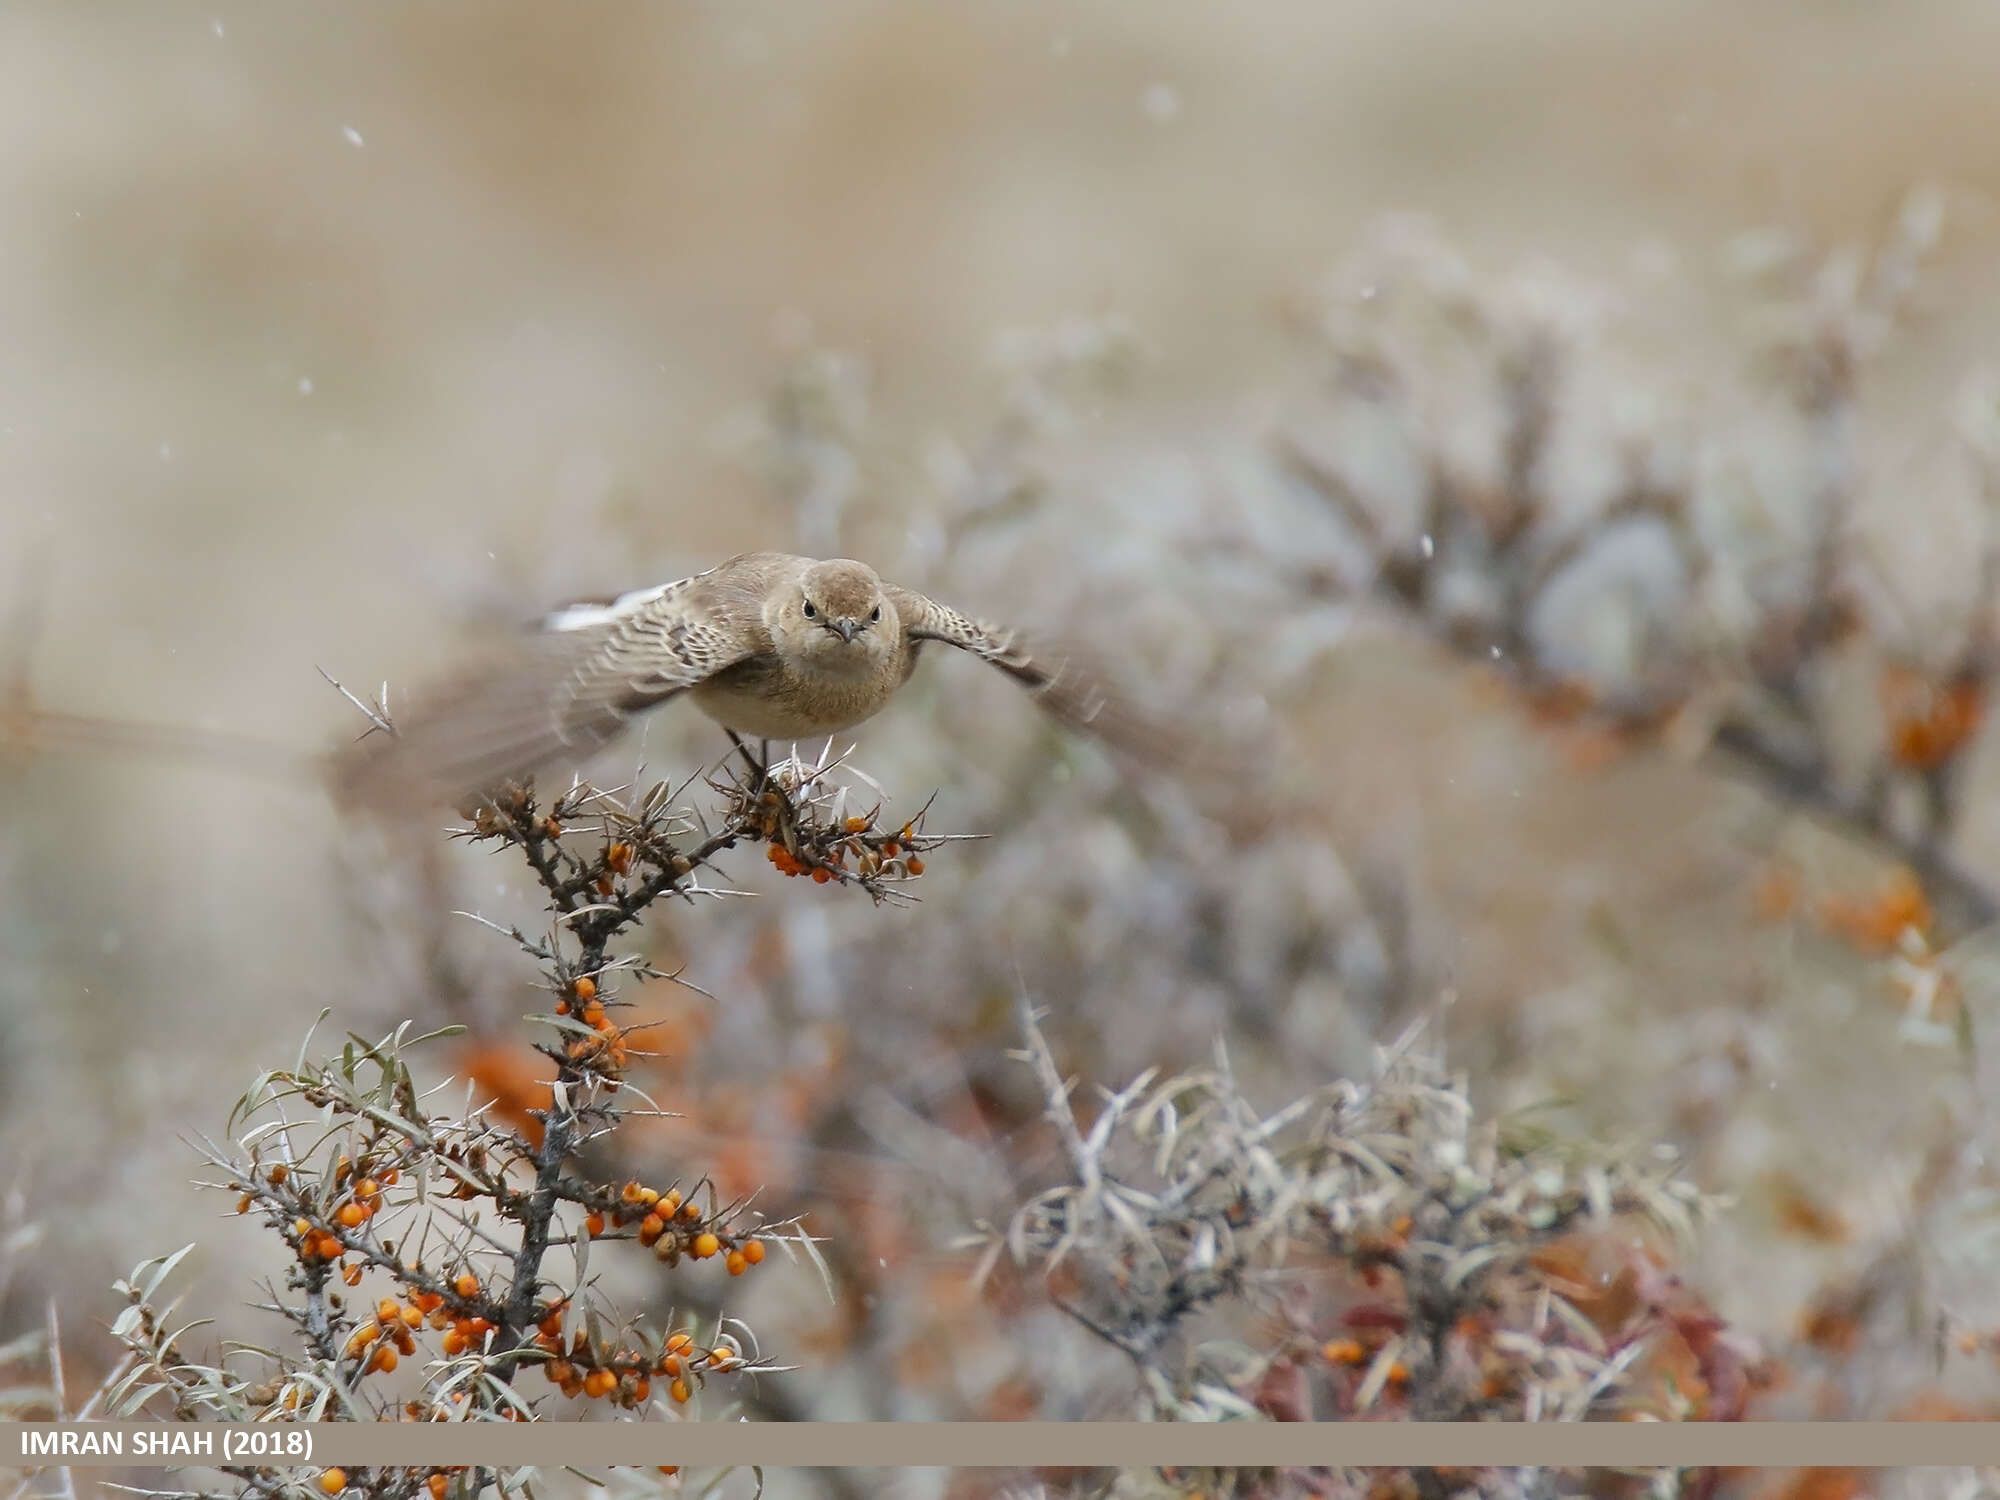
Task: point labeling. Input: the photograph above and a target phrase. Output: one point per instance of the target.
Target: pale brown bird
(768, 645)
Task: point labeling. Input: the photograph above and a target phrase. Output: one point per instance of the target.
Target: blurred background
(1650, 339)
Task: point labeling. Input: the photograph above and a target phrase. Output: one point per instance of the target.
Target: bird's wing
(561, 691)
(1063, 678)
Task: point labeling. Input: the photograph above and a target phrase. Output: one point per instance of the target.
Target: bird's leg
(755, 763)
(763, 781)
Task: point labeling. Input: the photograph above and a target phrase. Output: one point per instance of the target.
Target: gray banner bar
(1005, 1445)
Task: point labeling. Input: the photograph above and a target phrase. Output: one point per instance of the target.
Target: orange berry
(585, 988)
(630, 1192)
(593, 1223)
(386, 1311)
(361, 1338)
(690, 1212)
(891, 849)
(736, 1263)
(277, 1174)
(915, 865)
(619, 857)
(384, 1360)
(679, 1343)
(679, 1390)
(454, 1344)
(754, 1252)
(642, 1390)
(651, 1228)
(670, 1365)
(670, 1468)
(333, 1481)
(351, 1216)
(599, 1383)
(559, 1371)
(437, 1484)
(670, 1202)
(367, 1192)
(648, 1197)
(412, 1316)
(1343, 1352)
(390, 1176)
(429, 1301)
(705, 1245)
(467, 1286)
(243, 1204)
(352, 1276)
(302, 1227)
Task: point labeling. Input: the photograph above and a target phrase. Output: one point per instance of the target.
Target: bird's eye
(874, 614)
(811, 613)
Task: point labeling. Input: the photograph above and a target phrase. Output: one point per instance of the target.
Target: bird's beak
(846, 629)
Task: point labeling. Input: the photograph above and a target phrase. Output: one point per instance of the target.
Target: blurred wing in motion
(1063, 679)
(554, 695)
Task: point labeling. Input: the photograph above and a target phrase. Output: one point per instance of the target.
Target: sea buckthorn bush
(441, 1249)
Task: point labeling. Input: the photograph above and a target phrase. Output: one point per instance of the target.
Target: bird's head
(840, 617)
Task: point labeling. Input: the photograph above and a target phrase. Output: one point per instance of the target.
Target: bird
(769, 645)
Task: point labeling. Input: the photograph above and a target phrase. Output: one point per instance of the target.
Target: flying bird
(768, 645)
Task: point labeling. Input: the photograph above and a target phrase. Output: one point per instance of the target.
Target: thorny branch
(1417, 1261)
(456, 1215)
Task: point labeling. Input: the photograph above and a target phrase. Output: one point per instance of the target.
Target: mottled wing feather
(559, 693)
(1063, 678)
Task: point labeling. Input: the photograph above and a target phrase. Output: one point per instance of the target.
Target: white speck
(1060, 47)
(489, 557)
(1494, 651)
(166, 453)
(351, 135)
(305, 385)
(500, 889)
(216, 26)
(1427, 544)
(1162, 103)
(1368, 294)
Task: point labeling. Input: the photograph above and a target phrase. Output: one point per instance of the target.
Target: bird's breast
(766, 699)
